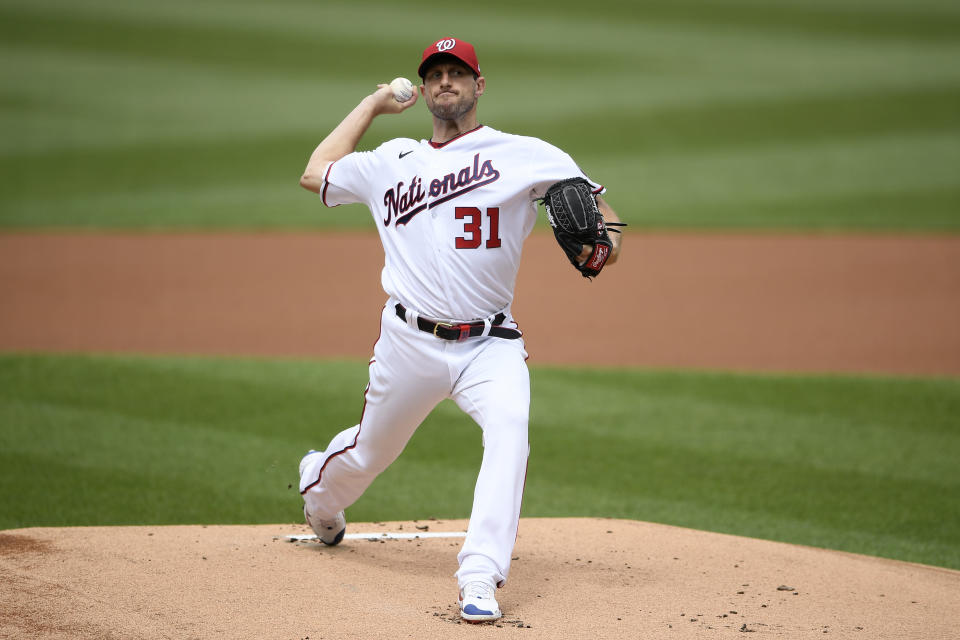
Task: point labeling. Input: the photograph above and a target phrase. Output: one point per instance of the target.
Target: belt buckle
(464, 330)
(441, 324)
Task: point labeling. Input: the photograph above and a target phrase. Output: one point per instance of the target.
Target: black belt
(448, 331)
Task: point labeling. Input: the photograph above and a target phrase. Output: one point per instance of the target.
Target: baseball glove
(576, 221)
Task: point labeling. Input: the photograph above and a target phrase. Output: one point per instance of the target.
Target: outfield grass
(860, 464)
(793, 114)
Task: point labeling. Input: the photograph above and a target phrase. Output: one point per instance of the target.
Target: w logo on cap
(459, 49)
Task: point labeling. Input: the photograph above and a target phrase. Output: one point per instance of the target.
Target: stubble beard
(451, 110)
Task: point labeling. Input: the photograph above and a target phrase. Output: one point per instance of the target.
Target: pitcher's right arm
(345, 137)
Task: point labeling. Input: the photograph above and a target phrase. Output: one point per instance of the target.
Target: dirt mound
(571, 578)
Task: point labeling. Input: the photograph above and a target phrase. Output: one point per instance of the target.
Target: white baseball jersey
(452, 217)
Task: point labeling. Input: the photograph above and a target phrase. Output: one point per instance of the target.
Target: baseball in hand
(402, 89)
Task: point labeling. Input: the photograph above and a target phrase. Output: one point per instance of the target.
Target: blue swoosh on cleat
(473, 610)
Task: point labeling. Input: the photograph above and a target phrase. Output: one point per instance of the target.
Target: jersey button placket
(443, 233)
(442, 241)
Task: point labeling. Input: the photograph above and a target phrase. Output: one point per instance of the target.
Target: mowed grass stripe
(860, 464)
(273, 159)
(876, 208)
(901, 23)
(869, 186)
(215, 182)
(754, 123)
(749, 125)
(182, 115)
(828, 185)
(209, 44)
(898, 20)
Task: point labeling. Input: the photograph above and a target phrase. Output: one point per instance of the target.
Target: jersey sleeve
(347, 180)
(551, 165)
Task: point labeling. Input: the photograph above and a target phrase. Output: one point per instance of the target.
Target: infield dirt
(572, 578)
(820, 303)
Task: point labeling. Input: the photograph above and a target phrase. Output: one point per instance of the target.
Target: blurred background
(799, 114)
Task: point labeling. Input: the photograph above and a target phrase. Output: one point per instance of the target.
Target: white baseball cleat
(330, 532)
(477, 603)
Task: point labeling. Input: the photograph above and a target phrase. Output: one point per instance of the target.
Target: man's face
(450, 90)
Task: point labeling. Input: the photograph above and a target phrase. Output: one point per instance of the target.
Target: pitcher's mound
(571, 578)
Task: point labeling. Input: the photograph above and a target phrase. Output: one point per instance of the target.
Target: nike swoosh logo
(405, 154)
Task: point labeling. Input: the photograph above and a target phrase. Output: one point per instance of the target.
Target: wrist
(380, 101)
(369, 106)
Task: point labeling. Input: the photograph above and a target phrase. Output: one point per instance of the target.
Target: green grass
(717, 114)
(860, 464)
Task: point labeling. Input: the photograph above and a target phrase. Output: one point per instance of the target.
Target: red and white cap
(462, 51)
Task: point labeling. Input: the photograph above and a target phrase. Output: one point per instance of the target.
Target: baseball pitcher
(452, 212)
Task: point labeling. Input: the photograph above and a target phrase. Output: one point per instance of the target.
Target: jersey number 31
(472, 228)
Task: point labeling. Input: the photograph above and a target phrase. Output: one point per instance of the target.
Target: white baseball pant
(410, 373)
